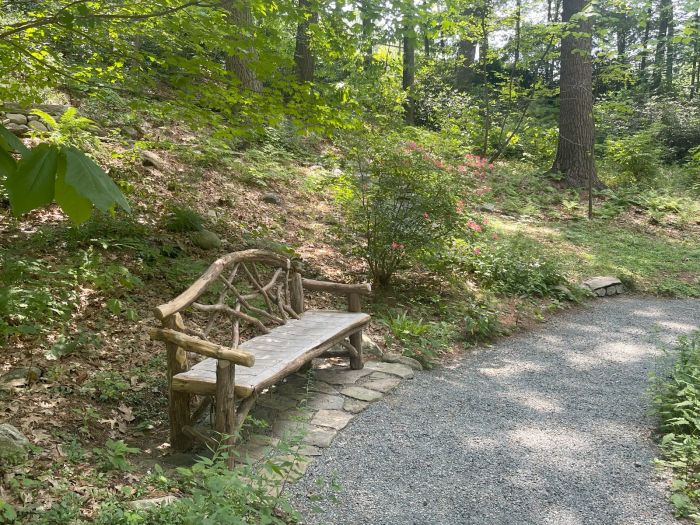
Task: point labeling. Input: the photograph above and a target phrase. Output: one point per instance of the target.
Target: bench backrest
(240, 295)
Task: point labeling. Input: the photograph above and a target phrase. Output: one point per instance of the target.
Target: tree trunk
(662, 44)
(367, 16)
(645, 45)
(303, 56)
(409, 71)
(696, 50)
(670, 52)
(240, 16)
(466, 55)
(576, 128)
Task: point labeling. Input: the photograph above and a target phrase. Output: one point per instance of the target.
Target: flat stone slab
(336, 419)
(326, 402)
(323, 388)
(354, 406)
(341, 377)
(277, 401)
(152, 502)
(362, 394)
(603, 286)
(382, 384)
(320, 437)
(396, 369)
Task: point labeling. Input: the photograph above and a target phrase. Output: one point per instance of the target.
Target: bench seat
(277, 354)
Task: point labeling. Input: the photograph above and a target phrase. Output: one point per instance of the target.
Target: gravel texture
(549, 427)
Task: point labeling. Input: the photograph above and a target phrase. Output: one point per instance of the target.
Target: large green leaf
(32, 184)
(7, 164)
(9, 142)
(91, 181)
(77, 207)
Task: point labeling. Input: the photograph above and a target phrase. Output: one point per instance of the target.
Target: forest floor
(75, 302)
(547, 427)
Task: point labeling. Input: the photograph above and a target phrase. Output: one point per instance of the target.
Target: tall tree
(240, 16)
(409, 65)
(574, 156)
(466, 50)
(303, 54)
(662, 77)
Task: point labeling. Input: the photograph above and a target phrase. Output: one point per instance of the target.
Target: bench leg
(225, 415)
(356, 362)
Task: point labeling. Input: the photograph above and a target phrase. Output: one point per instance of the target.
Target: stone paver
(335, 376)
(337, 419)
(382, 384)
(362, 394)
(354, 406)
(396, 369)
(326, 402)
(321, 437)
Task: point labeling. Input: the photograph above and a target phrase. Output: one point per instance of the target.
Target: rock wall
(21, 121)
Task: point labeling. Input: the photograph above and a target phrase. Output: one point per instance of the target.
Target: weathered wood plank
(336, 288)
(284, 355)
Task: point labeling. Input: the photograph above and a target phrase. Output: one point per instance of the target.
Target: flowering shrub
(403, 202)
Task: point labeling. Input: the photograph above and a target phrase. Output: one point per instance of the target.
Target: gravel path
(550, 427)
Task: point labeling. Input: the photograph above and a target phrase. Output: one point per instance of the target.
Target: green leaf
(7, 164)
(33, 182)
(91, 181)
(45, 117)
(77, 207)
(9, 142)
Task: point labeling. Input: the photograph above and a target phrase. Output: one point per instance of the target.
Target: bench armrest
(337, 288)
(205, 348)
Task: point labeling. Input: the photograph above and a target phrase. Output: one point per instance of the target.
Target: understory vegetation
(417, 146)
(676, 398)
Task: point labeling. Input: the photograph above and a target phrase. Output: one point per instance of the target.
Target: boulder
(16, 118)
(38, 126)
(20, 376)
(17, 129)
(13, 445)
(152, 502)
(205, 239)
(272, 198)
(151, 160)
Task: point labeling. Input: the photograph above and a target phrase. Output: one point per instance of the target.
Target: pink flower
(491, 165)
(477, 250)
(426, 216)
(459, 208)
(412, 146)
(474, 226)
(396, 246)
(494, 236)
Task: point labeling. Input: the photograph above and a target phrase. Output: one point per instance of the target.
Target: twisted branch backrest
(240, 295)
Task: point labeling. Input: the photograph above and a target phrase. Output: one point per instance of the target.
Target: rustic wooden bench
(247, 309)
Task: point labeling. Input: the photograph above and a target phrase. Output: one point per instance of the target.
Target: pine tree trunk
(665, 12)
(645, 45)
(303, 56)
(576, 128)
(240, 15)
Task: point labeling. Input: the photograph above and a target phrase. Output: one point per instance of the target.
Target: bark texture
(409, 72)
(303, 54)
(576, 128)
(240, 16)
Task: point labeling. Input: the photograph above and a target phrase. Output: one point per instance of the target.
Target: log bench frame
(285, 302)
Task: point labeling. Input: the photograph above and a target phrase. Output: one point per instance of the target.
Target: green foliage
(52, 171)
(7, 512)
(424, 341)
(402, 202)
(515, 265)
(114, 456)
(182, 219)
(107, 385)
(632, 159)
(676, 400)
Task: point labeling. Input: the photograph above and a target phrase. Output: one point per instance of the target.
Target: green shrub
(516, 266)
(181, 219)
(402, 201)
(676, 400)
(114, 456)
(107, 385)
(421, 340)
(632, 158)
